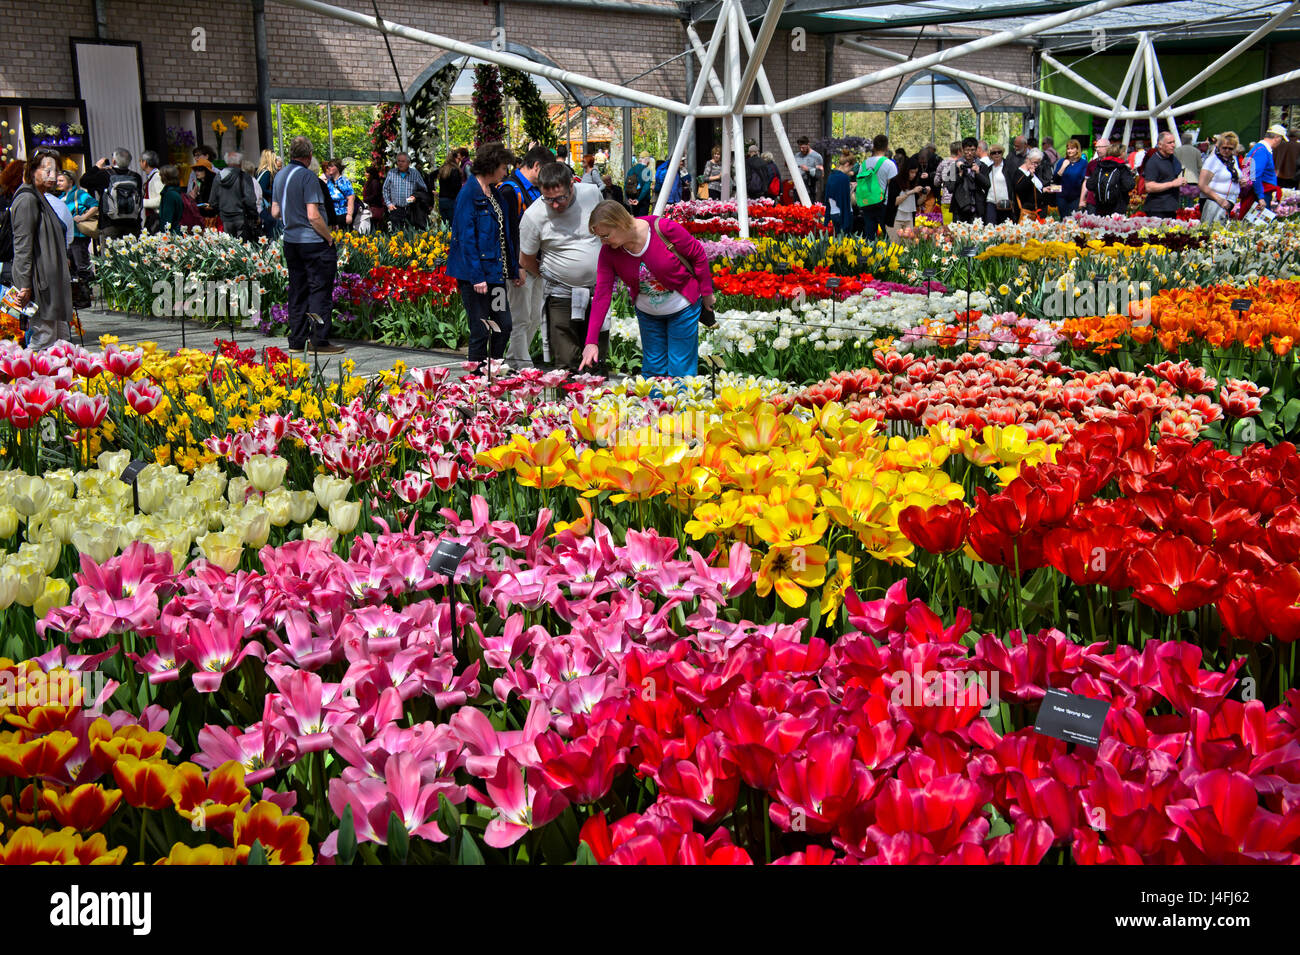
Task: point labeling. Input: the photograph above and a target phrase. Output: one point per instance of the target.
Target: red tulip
(1173, 574)
(143, 396)
(939, 529)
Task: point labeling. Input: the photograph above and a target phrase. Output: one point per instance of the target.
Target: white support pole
(985, 80)
(1140, 54)
(934, 59)
(1163, 94)
(778, 125)
(1078, 80)
(1149, 67)
(1245, 44)
(720, 94)
(1129, 77)
(501, 58)
(688, 124)
(737, 129)
(757, 50)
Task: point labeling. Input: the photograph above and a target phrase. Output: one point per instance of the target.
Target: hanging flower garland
(489, 106)
(424, 117)
(538, 128)
(383, 135)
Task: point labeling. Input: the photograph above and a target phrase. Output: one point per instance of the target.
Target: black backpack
(7, 226)
(1110, 185)
(122, 201)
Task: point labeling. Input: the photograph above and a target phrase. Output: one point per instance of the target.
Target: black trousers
(964, 215)
(482, 307)
(312, 267)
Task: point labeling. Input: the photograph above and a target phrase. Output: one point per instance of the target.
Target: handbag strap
(671, 248)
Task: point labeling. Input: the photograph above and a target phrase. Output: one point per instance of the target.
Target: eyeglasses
(558, 200)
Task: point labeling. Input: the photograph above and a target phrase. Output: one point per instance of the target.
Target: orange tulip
(146, 784)
(84, 808)
(283, 837)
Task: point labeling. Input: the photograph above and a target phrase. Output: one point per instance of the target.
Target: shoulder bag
(707, 318)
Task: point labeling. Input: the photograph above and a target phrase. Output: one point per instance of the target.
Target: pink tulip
(121, 363)
(84, 411)
(143, 396)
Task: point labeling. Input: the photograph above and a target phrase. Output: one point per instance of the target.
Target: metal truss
(733, 42)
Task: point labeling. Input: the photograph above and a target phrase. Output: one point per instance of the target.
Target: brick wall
(38, 57)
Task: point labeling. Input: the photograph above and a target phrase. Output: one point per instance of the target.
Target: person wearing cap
(1261, 155)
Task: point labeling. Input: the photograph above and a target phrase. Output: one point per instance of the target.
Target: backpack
(190, 214)
(774, 186)
(1109, 188)
(632, 184)
(869, 190)
(7, 226)
(122, 200)
(754, 184)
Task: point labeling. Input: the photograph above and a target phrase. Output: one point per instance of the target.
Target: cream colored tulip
(30, 577)
(257, 525)
(266, 471)
(344, 516)
(279, 507)
(154, 493)
(222, 548)
(99, 542)
(61, 481)
(8, 521)
(330, 489)
(319, 531)
(29, 495)
(303, 506)
(237, 489)
(114, 463)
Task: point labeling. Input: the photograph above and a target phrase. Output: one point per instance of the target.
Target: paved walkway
(167, 333)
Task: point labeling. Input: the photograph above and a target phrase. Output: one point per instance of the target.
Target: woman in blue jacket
(484, 253)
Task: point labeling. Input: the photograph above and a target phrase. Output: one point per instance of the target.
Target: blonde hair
(612, 215)
(1118, 151)
(1227, 139)
(266, 161)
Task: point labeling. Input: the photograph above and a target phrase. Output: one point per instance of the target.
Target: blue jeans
(670, 344)
(1068, 207)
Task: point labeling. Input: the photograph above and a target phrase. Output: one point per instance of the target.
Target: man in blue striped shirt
(399, 192)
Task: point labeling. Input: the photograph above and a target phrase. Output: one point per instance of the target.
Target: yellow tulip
(55, 594)
(330, 489)
(29, 495)
(302, 506)
(8, 521)
(223, 548)
(279, 506)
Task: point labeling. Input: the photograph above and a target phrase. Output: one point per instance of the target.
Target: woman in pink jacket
(667, 275)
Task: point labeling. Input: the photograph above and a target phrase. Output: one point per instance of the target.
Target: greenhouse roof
(1178, 19)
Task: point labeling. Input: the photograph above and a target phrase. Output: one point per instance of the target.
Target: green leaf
(399, 843)
(257, 855)
(585, 855)
(347, 841)
(448, 817)
(1290, 414)
(469, 852)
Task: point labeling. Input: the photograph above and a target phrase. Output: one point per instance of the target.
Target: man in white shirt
(982, 152)
(556, 246)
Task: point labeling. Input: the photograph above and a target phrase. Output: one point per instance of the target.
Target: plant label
(1073, 718)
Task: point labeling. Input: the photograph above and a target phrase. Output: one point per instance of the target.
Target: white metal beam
(778, 125)
(984, 80)
(1267, 27)
(1140, 57)
(942, 56)
(500, 58)
(1163, 93)
(688, 124)
(733, 13)
(1149, 67)
(720, 94)
(757, 50)
(1129, 77)
(1071, 75)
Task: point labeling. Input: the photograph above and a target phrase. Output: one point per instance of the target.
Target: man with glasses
(558, 249)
